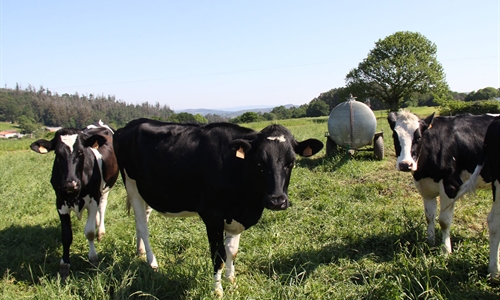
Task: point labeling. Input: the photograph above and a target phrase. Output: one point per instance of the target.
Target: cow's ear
(41, 146)
(391, 118)
(308, 147)
(427, 122)
(95, 141)
(240, 147)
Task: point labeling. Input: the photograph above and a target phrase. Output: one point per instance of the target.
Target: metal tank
(352, 125)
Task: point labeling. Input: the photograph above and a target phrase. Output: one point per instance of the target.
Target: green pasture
(355, 230)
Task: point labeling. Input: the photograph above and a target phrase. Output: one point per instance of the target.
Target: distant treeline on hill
(43, 107)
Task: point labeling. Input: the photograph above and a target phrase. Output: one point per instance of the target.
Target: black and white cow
(224, 173)
(441, 153)
(84, 171)
(488, 170)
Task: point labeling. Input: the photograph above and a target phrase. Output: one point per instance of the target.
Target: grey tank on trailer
(352, 125)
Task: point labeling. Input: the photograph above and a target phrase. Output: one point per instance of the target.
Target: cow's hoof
(445, 250)
(100, 236)
(495, 279)
(154, 264)
(64, 271)
(94, 261)
(219, 292)
(231, 279)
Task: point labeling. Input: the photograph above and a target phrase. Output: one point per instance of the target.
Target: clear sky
(224, 54)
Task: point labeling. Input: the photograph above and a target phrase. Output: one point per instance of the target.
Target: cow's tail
(128, 205)
(469, 186)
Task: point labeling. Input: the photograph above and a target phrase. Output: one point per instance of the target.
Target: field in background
(355, 230)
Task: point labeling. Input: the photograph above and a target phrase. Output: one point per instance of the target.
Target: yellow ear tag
(96, 145)
(240, 153)
(430, 126)
(307, 151)
(42, 150)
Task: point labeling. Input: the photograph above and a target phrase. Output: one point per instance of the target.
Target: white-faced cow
(84, 171)
(224, 173)
(441, 153)
(488, 170)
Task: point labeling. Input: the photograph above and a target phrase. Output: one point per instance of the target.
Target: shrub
(476, 108)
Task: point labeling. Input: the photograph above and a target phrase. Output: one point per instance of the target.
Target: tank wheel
(331, 147)
(378, 147)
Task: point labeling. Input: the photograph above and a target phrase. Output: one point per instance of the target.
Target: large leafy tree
(400, 65)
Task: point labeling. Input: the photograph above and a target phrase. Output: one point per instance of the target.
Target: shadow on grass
(403, 256)
(29, 247)
(31, 255)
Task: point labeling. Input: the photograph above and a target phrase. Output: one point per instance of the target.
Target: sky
(228, 54)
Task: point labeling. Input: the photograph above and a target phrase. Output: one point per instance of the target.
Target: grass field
(355, 230)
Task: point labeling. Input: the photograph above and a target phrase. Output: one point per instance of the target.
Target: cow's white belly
(430, 189)
(427, 188)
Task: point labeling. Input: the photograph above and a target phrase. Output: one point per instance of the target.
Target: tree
(318, 108)
(483, 94)
(212, 118)
(400, 65)
(184, 117)
(200, 119)
(249, 117)
(27, 125)
(281, 112)
(299, 112)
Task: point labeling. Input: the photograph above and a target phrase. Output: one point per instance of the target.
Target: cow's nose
(277, 202)
(71, 186)
(405, 166)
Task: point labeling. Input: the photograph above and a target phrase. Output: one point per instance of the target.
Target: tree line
(31, 108)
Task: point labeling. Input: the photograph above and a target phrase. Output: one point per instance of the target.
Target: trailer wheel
(331, 147)
(378, 147)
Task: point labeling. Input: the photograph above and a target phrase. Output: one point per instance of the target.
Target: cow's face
(71, 148)
(407, 132)
(272, 156)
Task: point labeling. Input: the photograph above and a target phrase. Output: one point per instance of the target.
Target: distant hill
(231, 112)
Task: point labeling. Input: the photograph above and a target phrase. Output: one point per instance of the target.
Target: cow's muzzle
(71, 187)
(276, 202)
(406, 166)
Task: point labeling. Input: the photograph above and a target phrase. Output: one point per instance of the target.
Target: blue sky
(223, 54)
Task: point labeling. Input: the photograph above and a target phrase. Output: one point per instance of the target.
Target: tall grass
(355, 230)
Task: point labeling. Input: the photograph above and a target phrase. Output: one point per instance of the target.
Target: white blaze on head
(69, 140)
(280, 138)
(406, 125)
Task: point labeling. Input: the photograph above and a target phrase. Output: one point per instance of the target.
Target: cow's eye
(80, 152)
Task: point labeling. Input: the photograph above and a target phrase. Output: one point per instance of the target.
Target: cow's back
(176, 166)
(453, 144)
(451, 147)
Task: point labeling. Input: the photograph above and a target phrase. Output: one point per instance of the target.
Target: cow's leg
(90, 230)
(101, 229)
(429, 190)
(142, 231)
(141, 213)
(232, 243)
(215, 232)
(67, 239)
(141, 248)
(494, 230)
(445, 219)
(430, 207)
